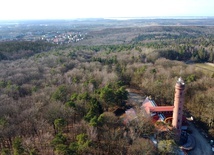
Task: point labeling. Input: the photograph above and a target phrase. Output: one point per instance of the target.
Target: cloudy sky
(69, 9)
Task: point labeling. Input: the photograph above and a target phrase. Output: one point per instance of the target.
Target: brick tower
(178, 105)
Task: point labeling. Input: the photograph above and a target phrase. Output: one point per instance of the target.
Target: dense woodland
(12, 50)
(62, 101)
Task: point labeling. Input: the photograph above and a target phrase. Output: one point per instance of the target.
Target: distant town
(70, 31)
(56, 34)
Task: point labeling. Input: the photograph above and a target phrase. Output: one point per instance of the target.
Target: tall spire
(178, 105)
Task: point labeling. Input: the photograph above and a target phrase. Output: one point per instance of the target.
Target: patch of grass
(207, 67)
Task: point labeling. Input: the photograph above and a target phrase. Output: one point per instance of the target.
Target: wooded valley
(61, 99)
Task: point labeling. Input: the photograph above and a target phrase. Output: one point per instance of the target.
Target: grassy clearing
(209, 67)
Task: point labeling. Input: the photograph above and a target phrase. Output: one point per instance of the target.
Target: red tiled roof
(155, 118)
(129, 115)
(147, 104)
(152, 107)
(161, 108)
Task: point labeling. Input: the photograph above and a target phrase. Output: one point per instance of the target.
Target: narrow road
(202, 147)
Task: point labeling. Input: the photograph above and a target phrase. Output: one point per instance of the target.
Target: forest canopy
(63, 98)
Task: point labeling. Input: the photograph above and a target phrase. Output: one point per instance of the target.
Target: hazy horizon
(65, 9)
(115, 18)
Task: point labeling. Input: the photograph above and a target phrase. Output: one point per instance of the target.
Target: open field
(209, 67)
